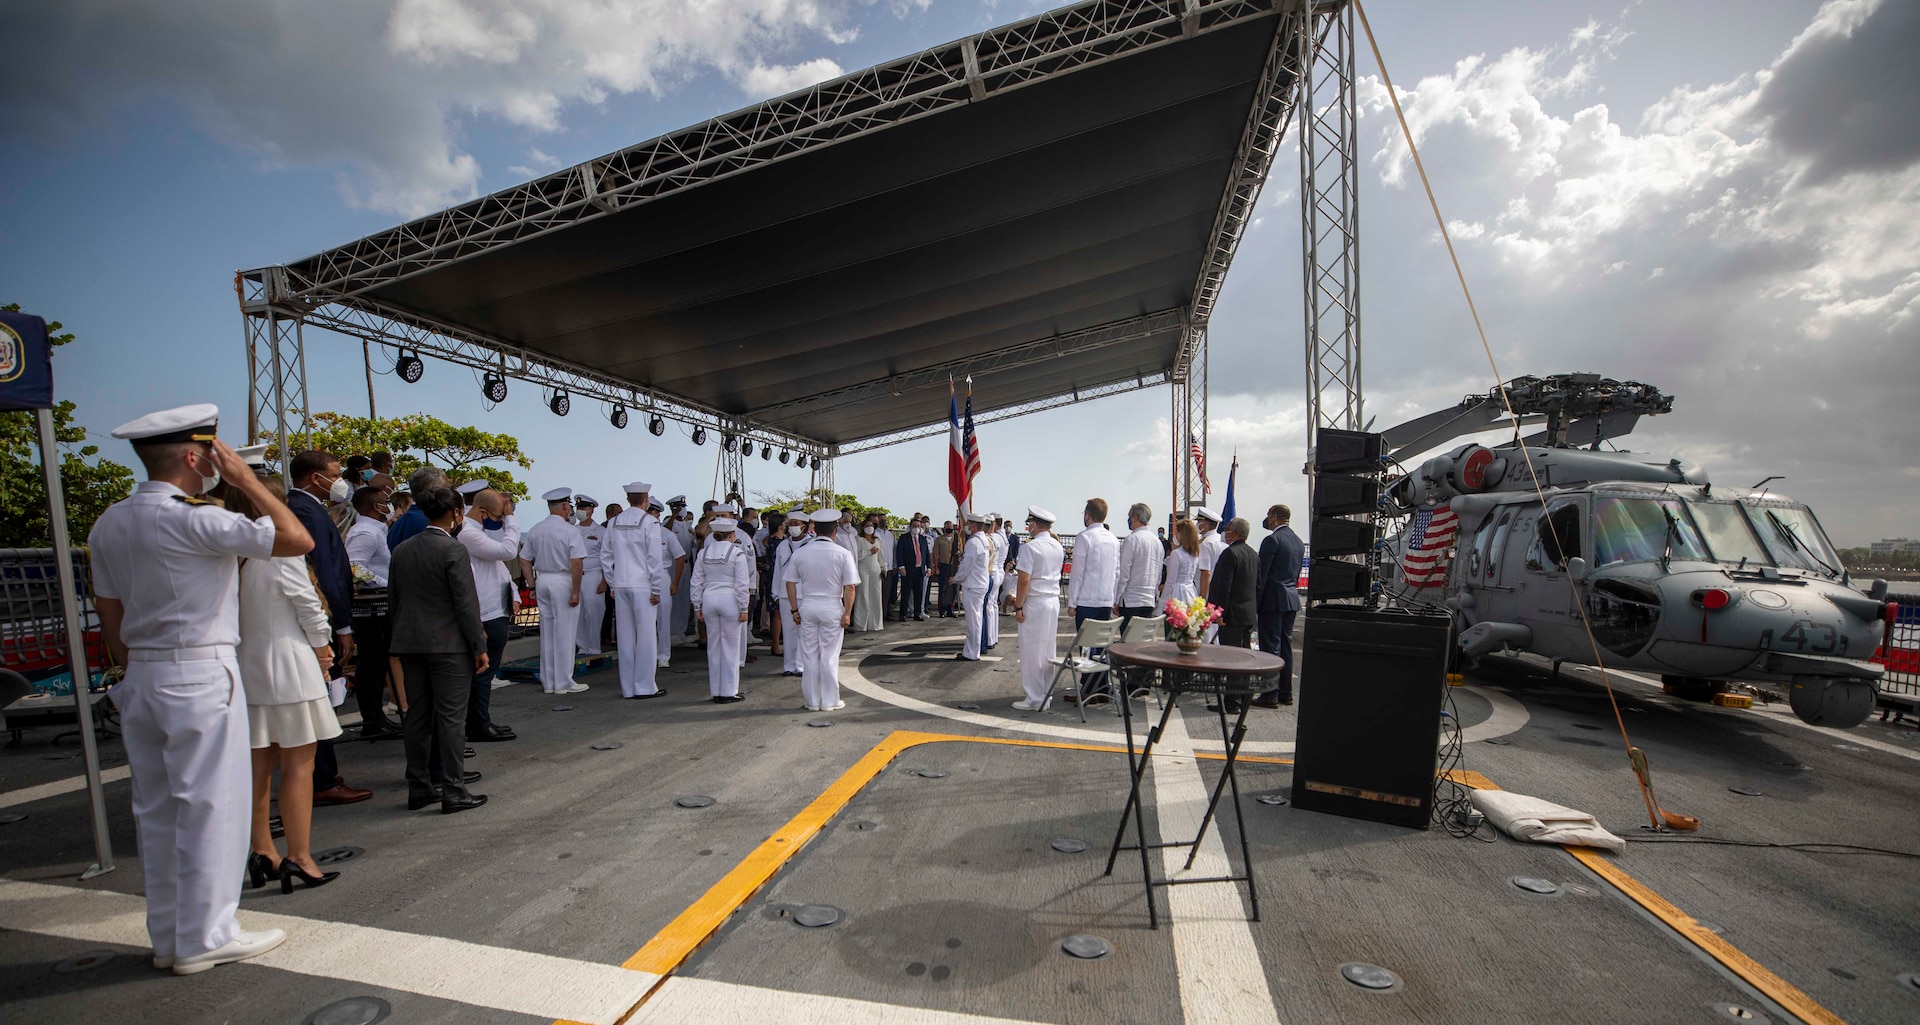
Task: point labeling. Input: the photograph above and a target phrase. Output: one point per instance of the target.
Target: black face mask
(455, 532)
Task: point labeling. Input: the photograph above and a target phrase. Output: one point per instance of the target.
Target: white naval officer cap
(653, 505)
(473, 487)
(1034, 512)
(723, 525)
(677, 500)
(638, 487)
(724, 509)
(1204, 513)
(197, 422)
(586, 500)
(558, 495)
(254, 455)
(826, 516)
(798, 510)
(974, 517)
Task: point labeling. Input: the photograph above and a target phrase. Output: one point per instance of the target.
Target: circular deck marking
(1068, 845)
(1734, 1012)
(694, 801)
(1746, 791)
(1499, 741)
(336, 855)
(1508, 715)
(1370, 976)
(819, 724)
(929, 773)
(351, 1011)
(607, 745)
(563, 708)
(1910, 980)
(1274, 800)
(1544, 887)
(83, 962)
(817, 916)
(863, 826)
(12, 817)
(1086, 946)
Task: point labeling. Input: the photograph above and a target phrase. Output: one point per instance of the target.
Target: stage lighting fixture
(494, 387)
(699, 435)
(785, 457)
(656, 426)
(766, 451)
(409, 366)
(746, 449)
(618, 417)
(729, 442)
(560, 404)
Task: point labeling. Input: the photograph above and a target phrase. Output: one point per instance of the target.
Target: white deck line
(690, 1001)
(470, 973)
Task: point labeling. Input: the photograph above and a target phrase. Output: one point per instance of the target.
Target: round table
(1229, 675)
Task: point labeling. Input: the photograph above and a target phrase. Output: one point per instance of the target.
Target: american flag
(970, 444)
(1199, 461)
(1429, 537)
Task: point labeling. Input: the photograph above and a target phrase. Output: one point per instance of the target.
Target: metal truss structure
(1310, 64)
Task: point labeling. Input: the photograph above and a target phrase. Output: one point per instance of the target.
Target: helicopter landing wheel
(1691, 688)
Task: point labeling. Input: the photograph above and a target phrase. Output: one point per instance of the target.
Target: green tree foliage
(1863, 558)
(418, 439)
(784, 500)
(89, 482)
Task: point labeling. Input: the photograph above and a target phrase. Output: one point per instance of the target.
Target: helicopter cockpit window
(1795, 538)
(1729, 534)
(1644, 530)
(1559, 538)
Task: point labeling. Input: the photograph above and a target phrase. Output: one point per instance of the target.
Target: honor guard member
(723, 580)
(682, 525)
(798, 532)
(1036, 607)
(729, 510)
(593, 585)
(997, 588)
(471, 490)
(975, 580)
(674, 558)
(819, 588)
(166, 570)
(1211, 545)
(631, 559)
(551, 558)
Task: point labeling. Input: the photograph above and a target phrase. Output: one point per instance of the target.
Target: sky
(1718, 197)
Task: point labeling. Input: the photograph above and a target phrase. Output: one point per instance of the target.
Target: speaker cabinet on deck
(1371, 686)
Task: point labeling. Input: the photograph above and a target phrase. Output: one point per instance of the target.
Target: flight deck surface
(582, 892)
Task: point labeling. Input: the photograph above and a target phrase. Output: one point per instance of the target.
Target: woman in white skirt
(1183, 564)
(868, 607)
(284, 654)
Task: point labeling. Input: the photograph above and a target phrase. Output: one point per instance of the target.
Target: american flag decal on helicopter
(1429, 537)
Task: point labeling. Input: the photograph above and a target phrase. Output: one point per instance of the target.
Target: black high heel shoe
(290, 871)
(259, 870)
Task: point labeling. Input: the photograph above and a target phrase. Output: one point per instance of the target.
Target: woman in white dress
(284, 654)
(868, 607)
(1183, 563)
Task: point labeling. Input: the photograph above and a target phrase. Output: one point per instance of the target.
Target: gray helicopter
(1673, 575)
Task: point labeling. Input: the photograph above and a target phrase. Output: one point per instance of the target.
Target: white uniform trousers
(820, 637)
(683, 602)
(1039, 641)
(746, 634)
(634, 629)
(559, 623)
(789, 640)
(663, 630)
(973, 603)
(184, 725)
(992, 610)
(593, 609)
(722, 607)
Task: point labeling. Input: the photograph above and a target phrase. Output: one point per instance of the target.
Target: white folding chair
(1094, 633)
(1142, 630)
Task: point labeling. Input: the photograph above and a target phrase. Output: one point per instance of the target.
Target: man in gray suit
(437, 636)
(1280, 556)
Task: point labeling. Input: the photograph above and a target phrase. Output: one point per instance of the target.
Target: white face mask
(869, 531)
(795, 531)
(340, 492)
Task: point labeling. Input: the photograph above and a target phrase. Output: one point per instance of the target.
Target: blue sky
(1696, 194)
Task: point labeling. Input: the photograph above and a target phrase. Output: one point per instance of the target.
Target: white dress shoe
(835, 707)
(241, 947)
(576, 689)
(811, 708)
(163, 963)
(1028, 706)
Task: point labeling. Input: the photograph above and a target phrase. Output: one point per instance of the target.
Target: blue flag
(26, 364)
(1226, 508)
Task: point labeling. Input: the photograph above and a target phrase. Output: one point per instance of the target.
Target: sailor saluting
(166, 583)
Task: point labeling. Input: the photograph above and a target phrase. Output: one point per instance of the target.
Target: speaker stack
(1346, 483)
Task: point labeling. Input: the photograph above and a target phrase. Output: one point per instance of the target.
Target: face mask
(340, 492)
(795, 531)
(869, 531)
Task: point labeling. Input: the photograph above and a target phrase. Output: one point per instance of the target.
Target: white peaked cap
(473, 487)
(654, 505)
(1204, 513)
(254, 455)
(826, 516)
(798, 510)
(639, 487)
(722, 526)
(558, 495)
(677, 500)
(1034, 512)
(724, 509)
(181, 423)
(974, 517)
(585, 500)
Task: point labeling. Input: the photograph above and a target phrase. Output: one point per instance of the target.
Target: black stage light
(618, 417)
(785, 457)
(816, 462)
(409, 366)
(746, 449)
(494, 387)
(656, 426)
(699, 435)
(766, 452)
(560, 404)
(729, 442)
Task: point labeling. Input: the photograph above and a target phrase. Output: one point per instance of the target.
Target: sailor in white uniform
(166, 584)
(1036, 607)
(682, 525)
(674, 558)
(1211, 545)
(819, 586)
(593, 583)
(997, 589)
(974, 577)
(793, 537)
(552, 557)
(723, 580)
(631, 560)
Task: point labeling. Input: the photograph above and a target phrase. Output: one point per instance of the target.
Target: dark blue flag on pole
(1226, 508)
(26, 367)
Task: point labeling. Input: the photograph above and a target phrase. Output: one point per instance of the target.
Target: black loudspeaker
(1339, 494)
(1371, 686)
(1346, 451)
(1340, 537)
(1328, 579)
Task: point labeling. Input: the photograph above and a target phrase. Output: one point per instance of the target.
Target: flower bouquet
(1187, 623)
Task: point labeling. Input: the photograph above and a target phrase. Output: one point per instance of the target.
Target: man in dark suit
(1234, 588)
(437, 636)
(1280, 556)
(912, 554)
(314, 478)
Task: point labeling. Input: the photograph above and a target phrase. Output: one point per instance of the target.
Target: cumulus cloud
(382, 90)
